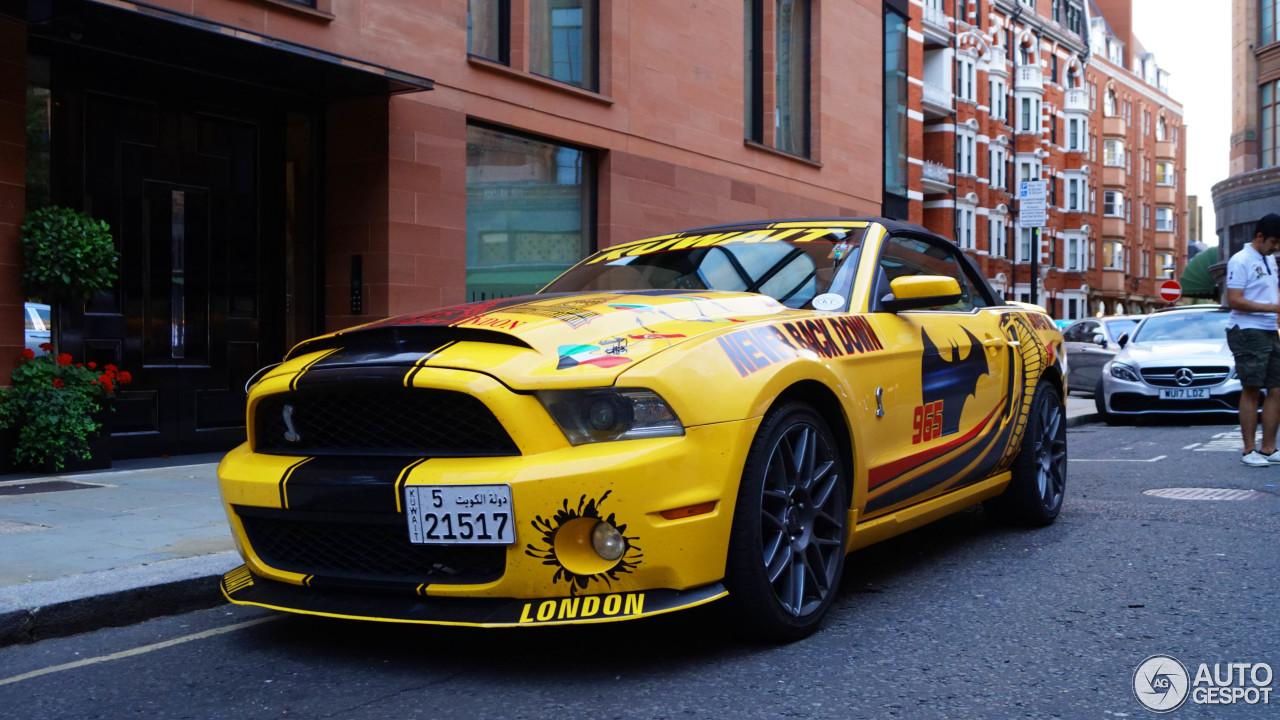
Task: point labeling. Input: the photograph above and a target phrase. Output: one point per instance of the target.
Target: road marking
(1192, 446)
(1154, 459)
(1223, 442)
(139, 650)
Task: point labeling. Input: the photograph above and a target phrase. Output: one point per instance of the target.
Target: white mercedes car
(1174, 362)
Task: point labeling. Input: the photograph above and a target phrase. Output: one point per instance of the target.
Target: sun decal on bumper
(566, 554)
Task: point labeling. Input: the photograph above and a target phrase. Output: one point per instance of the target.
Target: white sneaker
(1257, 459)
(1273, 458)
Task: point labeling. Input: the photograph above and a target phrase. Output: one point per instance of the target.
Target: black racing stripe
(400, 481)
(284, 479)
(347, 484)
(293, 384)
(381, 375)
(417, 368)
(941, 474)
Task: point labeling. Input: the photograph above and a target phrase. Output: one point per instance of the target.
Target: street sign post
(1032, 214)
(1031, 204)
(1170, 291)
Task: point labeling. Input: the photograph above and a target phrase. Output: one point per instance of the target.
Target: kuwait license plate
(460, 514)
(1197, 393)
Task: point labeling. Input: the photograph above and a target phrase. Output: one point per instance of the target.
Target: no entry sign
(1170, 291)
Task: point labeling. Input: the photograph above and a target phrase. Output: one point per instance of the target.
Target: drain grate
(47, 486)
(1206, 494)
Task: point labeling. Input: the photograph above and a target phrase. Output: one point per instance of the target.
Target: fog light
(607, 541)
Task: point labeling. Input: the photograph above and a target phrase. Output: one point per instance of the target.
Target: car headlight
(1125, 372)
(602, 415)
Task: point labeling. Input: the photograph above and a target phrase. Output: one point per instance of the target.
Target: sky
(1191, 40)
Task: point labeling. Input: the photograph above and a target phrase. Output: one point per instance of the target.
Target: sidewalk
(147, 538)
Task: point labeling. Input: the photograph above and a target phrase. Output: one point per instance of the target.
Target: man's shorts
(1257, 354)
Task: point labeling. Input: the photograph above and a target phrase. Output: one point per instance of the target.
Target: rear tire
(1034, 495)
(787, 547)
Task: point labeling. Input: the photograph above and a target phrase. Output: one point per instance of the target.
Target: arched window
(1161, 128)
(1109, 103)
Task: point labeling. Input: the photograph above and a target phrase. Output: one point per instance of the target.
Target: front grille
(1137, 402)
(1204, 375)
(379, 421)
(363, 547)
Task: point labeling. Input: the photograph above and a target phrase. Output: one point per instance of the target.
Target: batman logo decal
(951, 381)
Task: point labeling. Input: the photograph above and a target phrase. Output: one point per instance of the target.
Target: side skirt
(910, 518)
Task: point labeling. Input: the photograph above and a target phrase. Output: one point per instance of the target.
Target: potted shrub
(67, 256)
(57, 408)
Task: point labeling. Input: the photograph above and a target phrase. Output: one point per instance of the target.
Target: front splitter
(242, 587)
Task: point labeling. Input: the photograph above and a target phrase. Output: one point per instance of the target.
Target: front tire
(1034, 495)
(787, 547)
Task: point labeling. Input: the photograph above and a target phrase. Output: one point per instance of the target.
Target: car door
(1083, 362)
(942, 380)
(1085, 365)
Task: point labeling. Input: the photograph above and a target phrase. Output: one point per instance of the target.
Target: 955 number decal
(927, 422)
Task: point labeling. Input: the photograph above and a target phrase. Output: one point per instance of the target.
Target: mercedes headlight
(1125, 372)
(604, 414)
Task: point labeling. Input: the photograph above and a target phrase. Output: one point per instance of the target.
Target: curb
(1085, 419)
(111, 598)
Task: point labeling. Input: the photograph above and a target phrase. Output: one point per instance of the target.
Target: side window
(905, 256)
(1075, 333)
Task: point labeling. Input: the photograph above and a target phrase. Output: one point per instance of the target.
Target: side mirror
(1123, 340)
(1100, 340)
(921, 291)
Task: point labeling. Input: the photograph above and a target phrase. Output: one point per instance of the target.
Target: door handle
(994, 343)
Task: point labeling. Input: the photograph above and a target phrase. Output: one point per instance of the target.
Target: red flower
(57, 382)
(46, 346)
(93, 365)
(64, 359)
(126, 378)
(111, 369)
(106, 382)
(28, 354)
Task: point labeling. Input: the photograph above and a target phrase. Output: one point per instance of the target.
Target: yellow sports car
(719, 413)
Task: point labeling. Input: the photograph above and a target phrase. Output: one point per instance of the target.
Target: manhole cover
(1206, 494)
(45, 486)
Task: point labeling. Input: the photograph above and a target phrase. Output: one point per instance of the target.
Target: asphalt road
(963, 619)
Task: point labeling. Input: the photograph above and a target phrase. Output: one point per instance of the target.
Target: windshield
(1184, 326)
(792, 265)
(1121, 326)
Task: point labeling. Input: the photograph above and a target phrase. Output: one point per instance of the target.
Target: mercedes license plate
(460, 514)
(1189, 393)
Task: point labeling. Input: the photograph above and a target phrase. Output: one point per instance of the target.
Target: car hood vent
(384, 342)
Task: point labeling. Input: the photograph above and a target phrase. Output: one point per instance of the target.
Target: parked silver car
(1175, 362)
(1090, 344)
(36, 323)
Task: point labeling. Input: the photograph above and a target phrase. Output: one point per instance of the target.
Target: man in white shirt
(1254, 298)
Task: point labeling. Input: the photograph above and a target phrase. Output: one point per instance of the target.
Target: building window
(1145, 211)
(528, 207)
(1075, 134)
(1028, 170)
(1113, 153)
(1113, 255)
(996, 167)
(1024, 245)
(895, 107)
(1112, 203)
(964, 79)
(1128, 112)
(965, 146)
(965, 216)
(1164, 173)
(1166, 265)
(790, 74)
(1164, 219)
(489, 30)
(996, 236)
(1109, 103)
(999, 100)
(1075, 194)
(1267, 106)
(1267, 27)
(562, 41)
(1028, 114)
(1053, 67)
